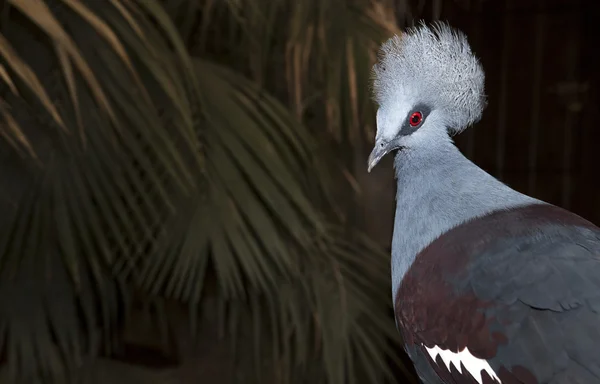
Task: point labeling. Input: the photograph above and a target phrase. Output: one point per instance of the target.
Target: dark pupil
(415, 118)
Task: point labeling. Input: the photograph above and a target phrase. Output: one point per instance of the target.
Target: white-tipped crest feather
(433, 65)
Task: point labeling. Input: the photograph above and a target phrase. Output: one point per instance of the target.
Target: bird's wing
(513, 297)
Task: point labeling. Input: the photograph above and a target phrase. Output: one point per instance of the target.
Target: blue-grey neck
(438, 189)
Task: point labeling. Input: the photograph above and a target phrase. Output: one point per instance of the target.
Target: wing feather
(520, 289)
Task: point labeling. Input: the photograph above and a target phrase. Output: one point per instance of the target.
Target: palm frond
(327, 46)
(142, 166)
(316, 56)
(280, 270)
(255, 206)
(99, 194)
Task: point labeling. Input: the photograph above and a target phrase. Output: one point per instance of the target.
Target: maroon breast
(432, 305)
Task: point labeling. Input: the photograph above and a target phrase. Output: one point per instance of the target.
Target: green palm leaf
(143, 169)
(96, 197)
(261, 233)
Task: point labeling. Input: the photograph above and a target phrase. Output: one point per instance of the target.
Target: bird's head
(428, 86)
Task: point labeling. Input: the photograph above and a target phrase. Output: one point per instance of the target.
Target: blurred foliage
(184, 151)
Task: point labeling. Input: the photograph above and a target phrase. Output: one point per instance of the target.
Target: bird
(489, 285)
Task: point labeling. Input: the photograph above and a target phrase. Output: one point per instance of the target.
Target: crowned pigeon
(489, 285)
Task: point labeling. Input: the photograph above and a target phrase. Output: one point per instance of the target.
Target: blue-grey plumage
(490, 285)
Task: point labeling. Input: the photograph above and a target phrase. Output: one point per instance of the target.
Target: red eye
(415, 119)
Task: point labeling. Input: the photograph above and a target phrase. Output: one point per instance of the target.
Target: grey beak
(379, 151)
